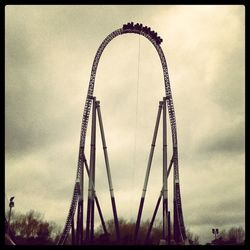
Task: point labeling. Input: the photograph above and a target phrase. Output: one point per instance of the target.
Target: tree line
(32, 229)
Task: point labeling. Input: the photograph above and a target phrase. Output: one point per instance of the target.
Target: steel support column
(91, 193)
(165, 183)
(97, 202)
(157, 205)
(72, 232)
(169, 229)
(147, 172)
(153, 218)
(111, 189)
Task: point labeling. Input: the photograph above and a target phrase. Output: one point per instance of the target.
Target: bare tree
(236, 234)
(192, 238)
(32, 228)
(233, 236)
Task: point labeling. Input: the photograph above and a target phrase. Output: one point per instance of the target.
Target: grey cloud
(228, 89)
(35, 127)
(227, 140)
(211, 217)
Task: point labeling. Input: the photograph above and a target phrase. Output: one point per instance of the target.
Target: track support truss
(77, 198)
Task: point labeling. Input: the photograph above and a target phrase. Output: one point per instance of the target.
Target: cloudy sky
(49, 52)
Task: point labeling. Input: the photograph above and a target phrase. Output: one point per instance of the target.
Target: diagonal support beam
(112, 196)
(97, 202)
(147, 172)
(157, 204)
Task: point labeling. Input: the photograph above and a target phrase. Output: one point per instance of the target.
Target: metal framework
(77, 198)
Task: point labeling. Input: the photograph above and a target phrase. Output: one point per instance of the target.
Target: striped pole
(111, 189)
(157, 206)
(97, 202)
(165, 183)
(72, 232)
(147, 172)
(89, 220)
(93, 145)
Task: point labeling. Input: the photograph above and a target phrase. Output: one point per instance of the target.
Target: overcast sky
(49, 52)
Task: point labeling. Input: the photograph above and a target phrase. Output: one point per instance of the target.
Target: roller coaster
(179, 233)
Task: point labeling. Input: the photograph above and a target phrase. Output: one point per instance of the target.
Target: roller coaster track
(179, 228)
